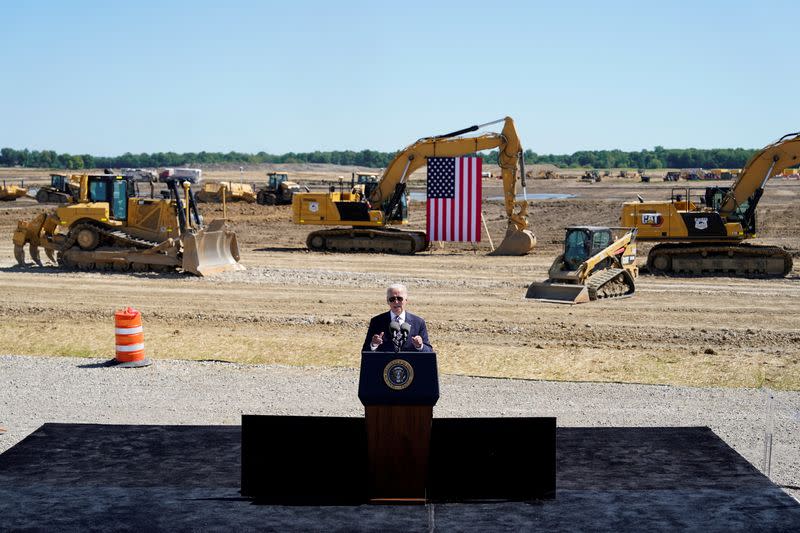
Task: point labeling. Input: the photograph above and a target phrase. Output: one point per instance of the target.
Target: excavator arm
(518, 240)
(768, 162)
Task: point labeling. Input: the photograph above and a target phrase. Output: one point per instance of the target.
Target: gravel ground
(36, 390)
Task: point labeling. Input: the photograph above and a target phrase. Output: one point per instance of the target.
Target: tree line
(659, 157)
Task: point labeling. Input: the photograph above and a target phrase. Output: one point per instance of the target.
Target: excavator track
(610, 283)
(367, 240)
(116, 250)
(715, 259)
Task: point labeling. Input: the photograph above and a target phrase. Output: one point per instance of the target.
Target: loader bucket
(562, 293)
(516, 242)
(211, 250)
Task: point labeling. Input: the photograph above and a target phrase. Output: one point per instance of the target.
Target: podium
(398, 391)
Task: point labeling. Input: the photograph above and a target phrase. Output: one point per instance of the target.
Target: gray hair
(396, 287)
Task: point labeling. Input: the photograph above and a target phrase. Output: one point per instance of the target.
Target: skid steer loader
(110, 227)
(598, 262)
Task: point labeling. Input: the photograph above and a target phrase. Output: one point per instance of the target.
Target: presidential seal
(398, 374)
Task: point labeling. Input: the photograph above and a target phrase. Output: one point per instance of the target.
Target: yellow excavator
(386, 205)
(700, 230)
(111, 227)
(597, 262)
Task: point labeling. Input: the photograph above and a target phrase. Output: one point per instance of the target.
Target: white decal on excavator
(313, 207)
(652, 219)
(701, 223)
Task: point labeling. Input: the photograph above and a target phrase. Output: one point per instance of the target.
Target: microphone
(396, 337)
(405, 329)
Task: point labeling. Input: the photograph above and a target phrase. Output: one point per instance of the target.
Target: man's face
(397, 300)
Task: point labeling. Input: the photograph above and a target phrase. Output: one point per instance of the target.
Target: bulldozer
(598, 262)
(234, 192)
(111, 227)
(279, 190)
(63, 189)
(9, 193)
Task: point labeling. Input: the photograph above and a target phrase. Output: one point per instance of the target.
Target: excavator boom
(769, 161)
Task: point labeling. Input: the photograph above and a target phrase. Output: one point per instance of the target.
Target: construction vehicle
(790, 173)
(9, 193)
(369, 218)
(719, 174)
(597, 262)
(192, 175)
(234, 192)
(279, 190)
(591, 176)
(63, 189)
(672, 175)
(110, 227)
(700, 230)
(541, 174)
(692, 174)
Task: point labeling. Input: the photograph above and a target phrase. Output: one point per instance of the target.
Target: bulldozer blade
(211, 251)
(19, 254)
(35, 254)
(516, 242)
(562, 293)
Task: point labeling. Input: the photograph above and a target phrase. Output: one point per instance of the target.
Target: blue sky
(105, 78)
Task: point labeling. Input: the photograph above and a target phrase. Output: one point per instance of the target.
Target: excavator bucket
(211, 250)
(516, 242)
(562, 293)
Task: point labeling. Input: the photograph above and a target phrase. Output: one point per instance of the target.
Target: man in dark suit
(381, 336)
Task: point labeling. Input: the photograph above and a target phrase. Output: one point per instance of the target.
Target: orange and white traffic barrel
(129, 338)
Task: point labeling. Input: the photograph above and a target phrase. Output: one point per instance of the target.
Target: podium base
(398, 446)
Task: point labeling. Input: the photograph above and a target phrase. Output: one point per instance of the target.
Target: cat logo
(652, 219)
(701, 223)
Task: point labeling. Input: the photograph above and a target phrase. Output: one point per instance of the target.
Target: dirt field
(299, 308)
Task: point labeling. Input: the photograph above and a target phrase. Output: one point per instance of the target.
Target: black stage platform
(143, 478)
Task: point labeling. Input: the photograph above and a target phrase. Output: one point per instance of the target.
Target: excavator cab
(744, 213)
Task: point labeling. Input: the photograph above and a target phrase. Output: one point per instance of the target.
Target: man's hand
(416, 341)
(377, 339)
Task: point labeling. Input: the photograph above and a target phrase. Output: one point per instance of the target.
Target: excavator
(369, 216)
(700, 230)
(111, 227)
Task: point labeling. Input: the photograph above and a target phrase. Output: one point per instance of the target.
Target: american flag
(454, 199)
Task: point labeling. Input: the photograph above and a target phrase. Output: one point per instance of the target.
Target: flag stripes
(454, 199)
